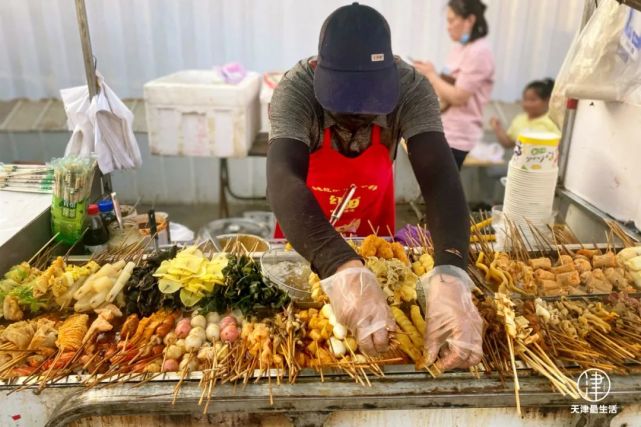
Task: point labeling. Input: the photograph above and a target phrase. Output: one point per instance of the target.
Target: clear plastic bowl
(289, 271)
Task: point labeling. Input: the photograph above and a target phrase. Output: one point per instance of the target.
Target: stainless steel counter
(310, 396)
(309, 401)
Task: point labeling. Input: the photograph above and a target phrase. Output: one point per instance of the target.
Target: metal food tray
(401, 388)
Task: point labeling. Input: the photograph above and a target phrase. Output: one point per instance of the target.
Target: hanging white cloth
(103, 126)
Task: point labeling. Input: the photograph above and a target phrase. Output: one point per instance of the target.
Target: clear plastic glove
(360, 304)
(454, 329)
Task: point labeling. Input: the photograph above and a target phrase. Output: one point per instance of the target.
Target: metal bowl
(289, 271)
(242, 242)
(234, 226)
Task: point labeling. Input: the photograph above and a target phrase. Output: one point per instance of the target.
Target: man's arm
(445, 206)
(298, 212)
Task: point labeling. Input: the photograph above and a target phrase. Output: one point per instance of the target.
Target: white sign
(593, 385)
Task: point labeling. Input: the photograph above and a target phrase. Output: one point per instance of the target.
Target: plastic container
(193, 113)
(536, 151)
(106, 208)
(289, 271)
(96, 237)
(68, 219)
(233, 226)
(162, 224)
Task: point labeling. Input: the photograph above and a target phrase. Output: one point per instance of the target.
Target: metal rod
(568, 130)
(90, 71)
(338, 212)
(570, 113)
(87, 53)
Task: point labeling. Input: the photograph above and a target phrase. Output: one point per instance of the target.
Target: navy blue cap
(356, 72)
(106, 205)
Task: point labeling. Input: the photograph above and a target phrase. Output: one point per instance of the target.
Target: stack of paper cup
(536, 151)
(531, 182)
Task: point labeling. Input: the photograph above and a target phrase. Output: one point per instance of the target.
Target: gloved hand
(359, 303)
(454, 326)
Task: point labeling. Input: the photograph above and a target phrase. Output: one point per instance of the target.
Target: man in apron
(336, 121)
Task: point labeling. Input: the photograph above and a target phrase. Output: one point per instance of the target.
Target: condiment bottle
(96, 237)
(107, 213)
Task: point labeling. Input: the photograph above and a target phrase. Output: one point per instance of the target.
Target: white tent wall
(606, 144)
(138, 40)
(135, 41)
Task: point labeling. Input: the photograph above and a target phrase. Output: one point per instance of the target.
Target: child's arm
(501, 134)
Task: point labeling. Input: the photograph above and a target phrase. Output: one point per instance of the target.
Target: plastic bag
(603, 62)
(103, 126)
(76, 103)
(115, 142)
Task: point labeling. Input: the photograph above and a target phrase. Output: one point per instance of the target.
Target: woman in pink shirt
(465, 85)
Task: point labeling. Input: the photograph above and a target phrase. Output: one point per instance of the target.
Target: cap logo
(378, 57)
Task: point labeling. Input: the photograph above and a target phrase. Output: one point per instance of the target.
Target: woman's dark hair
(542, 88)
(467, 8)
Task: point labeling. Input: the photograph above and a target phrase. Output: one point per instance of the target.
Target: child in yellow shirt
(536, 98)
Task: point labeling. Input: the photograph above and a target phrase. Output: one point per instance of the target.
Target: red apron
(330, 175)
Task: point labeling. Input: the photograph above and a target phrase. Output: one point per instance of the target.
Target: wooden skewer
(43, 248)
(516, 377)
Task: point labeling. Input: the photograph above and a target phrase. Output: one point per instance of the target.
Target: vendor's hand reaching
(360, 304)
(454, 327)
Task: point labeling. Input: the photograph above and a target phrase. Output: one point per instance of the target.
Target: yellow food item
(408, 348)
(351, 344)
(418, 268)
(192, 273)
(417, 318)
(408, 293)
(43, 283)
(374, 246)
(481, 225)
(634, 264)
(71, 332)
(427, 260)
(399, 253)
(424, 264)
(407, 326)
(369, 246)
(484, 238)
(385, 252)
(318, 295)
(313, 347)
(397, 279)
(479, 264)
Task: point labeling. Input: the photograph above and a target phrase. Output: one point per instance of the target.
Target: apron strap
(376, 134)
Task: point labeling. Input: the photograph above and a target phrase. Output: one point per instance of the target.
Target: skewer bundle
(550, 336)
(26, 178)
(72, 179)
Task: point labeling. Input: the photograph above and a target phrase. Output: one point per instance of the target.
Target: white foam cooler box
(193, 113)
